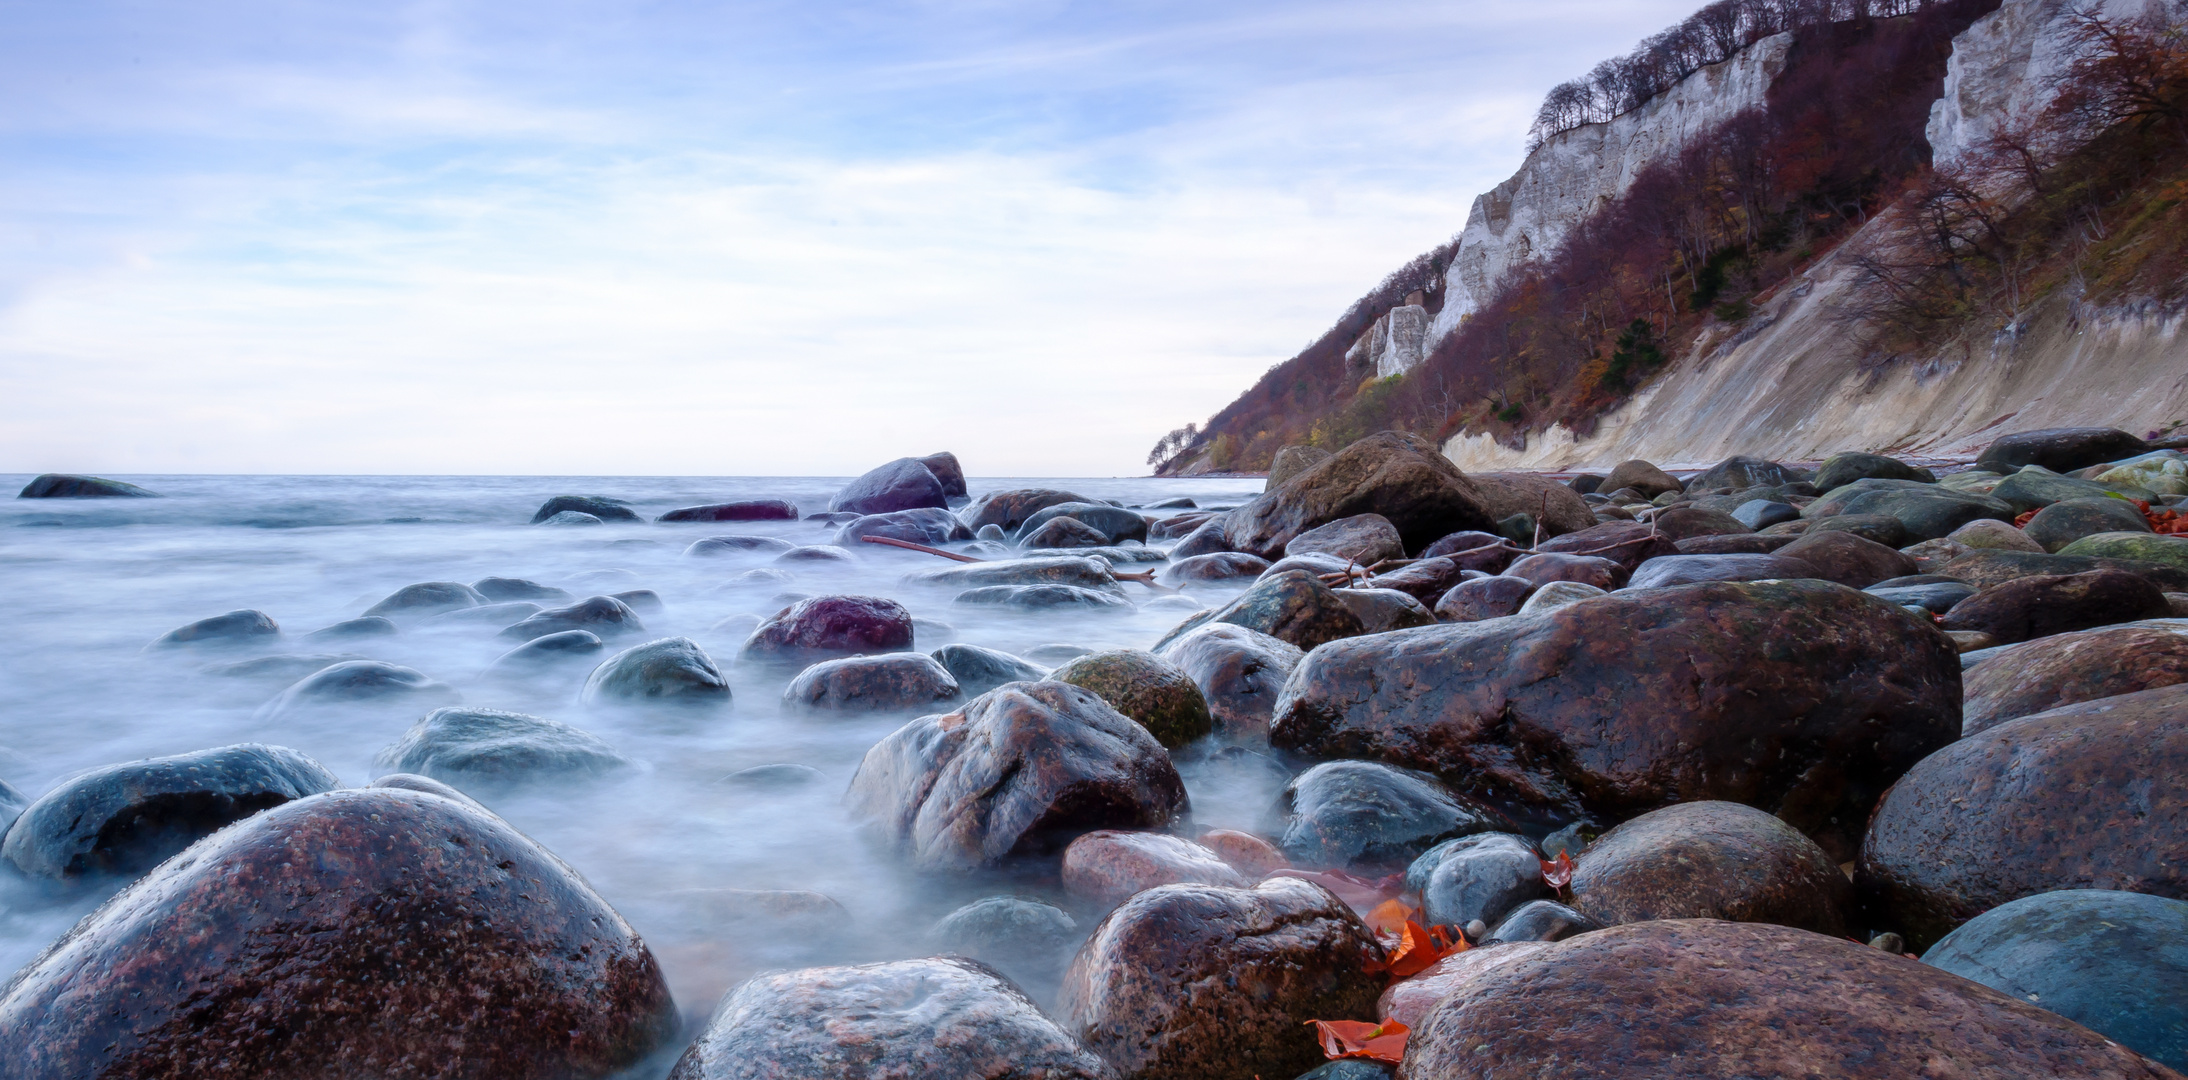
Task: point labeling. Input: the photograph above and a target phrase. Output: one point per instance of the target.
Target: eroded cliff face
(1795, 382)
(1574, 174)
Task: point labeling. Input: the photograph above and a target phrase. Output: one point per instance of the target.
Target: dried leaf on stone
(1418, 948)
(1558, 873)
(1389, 917)
(1359, 1039)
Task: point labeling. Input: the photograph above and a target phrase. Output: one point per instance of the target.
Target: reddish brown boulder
(1366, 539)
(1021, 770)
(1408, 1001)
(1105, 867)
(1984, 568)
(1189, 982)
(1641, 476)
(1557, 509)
(1402, 477)
(1422, 579)
(1215, 566)
(1484, 598)
(1738, 544)
(1290, 605)
(1239, 672)
(895, 682)
(1702, 998)
(1682, 522)
(830, 626)
(1711, 860)
(1668, 570)
(1605, 574)
(1251, 855)
(939, 1016)
(1629, 543)
(2029, 678)
(2034, 607)
(368, 932)
(2084, 796)
(1848, 559)
(1800, 698)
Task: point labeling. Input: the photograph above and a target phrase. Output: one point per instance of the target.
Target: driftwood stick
(1144, 577)
(908, 545)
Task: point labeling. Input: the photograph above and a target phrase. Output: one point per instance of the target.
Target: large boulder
(597, 506)
(1881, 528)
(904, 484)
(1145, 687)
(1364, 813)
(1557, 508)
(1689, 569)
(945, 467)
(1007, 510)
(2113, 962)
(604, 617)
(73, 486)
(2034, 607)
(1106, 867)
(1114, 523)
(2084, 796)
(1065, 532)
(1185, 982)
(745, 510)
(1214, 566)
(943, 1016)
(427, 598)
(2059, 525)
(487, 749)
(1385, 609)
(1711, 860)
(285, 944)
(1292, 606)
(1686, 522)
(1801, 698)
(1291, 461)
(127, 818)
(1848, 559)
(1925, 511)
(826, 627)
(1984, 569)
(1402, 477)
(1019, 771)
(1739, 472)
(359, 684)
(2059, 449)
(671, 671)
(2137, 546)
(1704, 998)
(926, 525)
(979, 669)
(1839, 470)
(1641, 476)
(1409, 1001)
(892, 682)
(238, 627)
(2034, 488)
(2036, 676)
(1366, 539)
(1628, 543)
(1239, 672)
(509, 589)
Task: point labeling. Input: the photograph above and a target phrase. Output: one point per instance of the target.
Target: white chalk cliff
(1792, 382)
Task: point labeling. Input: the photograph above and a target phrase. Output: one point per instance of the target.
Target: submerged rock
(736, 545)
(2083, 796)
(1703, 998)
(1711, 860)
(127, 818)
(427, 598)
(1797, 697)
(895, 682)
(546, 651)
(1044, 597)
(1215, 566)
(273, 947)
(239, 626)
(359, 682)
(488, 748)
(826, 627)
(604, 616)
(1019, 771)
(1208, 980)
(671, 671)
(1055, 570)
(942, 1016)
(598, 506)
(368, 626)
(1024, 939)
(73, 486)
(504, 589)
(747, 510)
(924, 526)
(978, 669)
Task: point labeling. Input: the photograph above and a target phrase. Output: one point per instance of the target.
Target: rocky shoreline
(1869, 769)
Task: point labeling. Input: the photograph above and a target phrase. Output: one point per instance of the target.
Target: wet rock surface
(1698, 997)
(924, 526)
(1145, 687)
(1019, 771)
(488, 749)
(903, 484)
(2078, 797)
(1670, 570)
(2067, 668)
(2064, 522)
(1366, 814)
(746, 510)
(1401, 477)
(1009, 509)
(359, 683)
(1483, 877)
(1106, 867)
(941, 1016)
(1484, 598)
(1847, 559)
(603, 616)
(1711, 860)
(1842, 469)
(1239, 673)
(896, 682)
(1112, 523)
(2059, 449)
(1800, 698)
(126, 818)
(1985, 568)
(1629, 543)
(1192, 981)
(288, 939)
(74, 486)
(826, 627)
(978, 669)
(1366, 539)
(671, 671)
(1215, 566)
(2114, 962)
(1542, 569)
(2034, 607)
(1292, 606)
(598, 506)
(236, 627)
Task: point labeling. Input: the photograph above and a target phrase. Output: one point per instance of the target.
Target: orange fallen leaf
(1389, 917)
(1417, 949)
(1359, 1039)
(1559, 873)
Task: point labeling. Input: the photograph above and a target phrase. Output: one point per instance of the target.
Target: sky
(717, 238)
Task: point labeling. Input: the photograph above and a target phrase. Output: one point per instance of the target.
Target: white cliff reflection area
(670, 841)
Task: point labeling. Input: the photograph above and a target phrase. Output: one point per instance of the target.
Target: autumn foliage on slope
(1695, 238)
